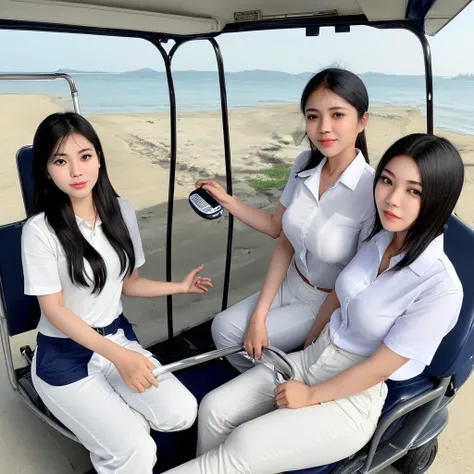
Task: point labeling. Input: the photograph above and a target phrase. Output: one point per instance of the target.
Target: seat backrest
(22, 312)
(24, 163)
(454, 356)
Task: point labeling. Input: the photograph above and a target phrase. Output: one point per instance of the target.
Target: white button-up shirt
(45, 269)
(409, 310)
(325, 233)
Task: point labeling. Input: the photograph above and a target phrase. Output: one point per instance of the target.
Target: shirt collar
(429, 256)
(434, 250)
(81, 222)
(350, 177)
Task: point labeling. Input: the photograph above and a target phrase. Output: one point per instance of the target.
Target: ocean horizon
(146, 91)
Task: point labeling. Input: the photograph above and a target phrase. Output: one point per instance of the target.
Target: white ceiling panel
(205, 16)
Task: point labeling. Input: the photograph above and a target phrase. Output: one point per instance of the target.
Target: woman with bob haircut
(392, 306)
(324, 214)
(81, 250)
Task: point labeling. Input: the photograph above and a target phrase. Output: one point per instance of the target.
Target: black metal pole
(228, 166)
(428, 79)
(425, 46)
(171, 182)
(227, 154)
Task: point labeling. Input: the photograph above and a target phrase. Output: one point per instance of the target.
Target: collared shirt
(45, 269)
(325, 233)
(409, 310)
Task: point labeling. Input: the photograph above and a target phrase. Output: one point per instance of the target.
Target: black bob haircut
(442, 178)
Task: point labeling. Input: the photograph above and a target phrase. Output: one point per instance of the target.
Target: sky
(364, 49)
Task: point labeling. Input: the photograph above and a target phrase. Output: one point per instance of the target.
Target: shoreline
(66, 103)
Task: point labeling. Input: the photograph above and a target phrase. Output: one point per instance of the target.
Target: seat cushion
(403, 390)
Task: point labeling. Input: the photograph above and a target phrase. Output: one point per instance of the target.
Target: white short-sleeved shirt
(45, 269)
(326, 233)
(409, 310)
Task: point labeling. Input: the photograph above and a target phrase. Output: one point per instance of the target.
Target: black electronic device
(205, 205)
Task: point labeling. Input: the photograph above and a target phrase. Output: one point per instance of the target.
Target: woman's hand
(214, 189)
(293, 394)
(135, 370)
(193, 283)
(256, 338)
(308, 342)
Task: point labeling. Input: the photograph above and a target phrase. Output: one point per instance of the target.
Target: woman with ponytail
(325, 213)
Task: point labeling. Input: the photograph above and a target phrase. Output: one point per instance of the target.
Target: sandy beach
(137, 153)
(137, 148)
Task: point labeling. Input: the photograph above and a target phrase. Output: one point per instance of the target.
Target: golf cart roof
(197, 17)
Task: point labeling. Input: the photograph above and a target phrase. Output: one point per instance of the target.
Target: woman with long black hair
(81, 250)
(324, 213)
(392, 306)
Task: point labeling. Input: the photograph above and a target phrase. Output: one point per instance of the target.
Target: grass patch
(273, 178)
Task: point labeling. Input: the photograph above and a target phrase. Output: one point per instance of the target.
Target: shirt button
(347, 300)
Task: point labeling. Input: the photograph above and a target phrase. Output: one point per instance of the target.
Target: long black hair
(56, 205)
(442, 178)
(347, 85)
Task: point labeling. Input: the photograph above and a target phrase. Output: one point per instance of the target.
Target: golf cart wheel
(419, 460)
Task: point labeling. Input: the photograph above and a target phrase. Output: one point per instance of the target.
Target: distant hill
(75, 71)
(143, 72)
(263, 74)
(374, 74)
(251, 75)
(306, 76)
(464, 77)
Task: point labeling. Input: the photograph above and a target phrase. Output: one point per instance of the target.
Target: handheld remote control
(205, 205)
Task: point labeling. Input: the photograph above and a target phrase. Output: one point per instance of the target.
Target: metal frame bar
(17, 388)
(427, 58)
(435, 426)
(417, 12)
(171, 179)
(228, 167)
(426, 405)
(269, 24)
(47, 77)
(168, 58)
(197, 359)
(7, 350)
(428, 80)
(277, 359)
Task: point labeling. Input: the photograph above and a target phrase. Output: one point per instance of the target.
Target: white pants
(290, 319)
(113, 421)
(242, 431)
